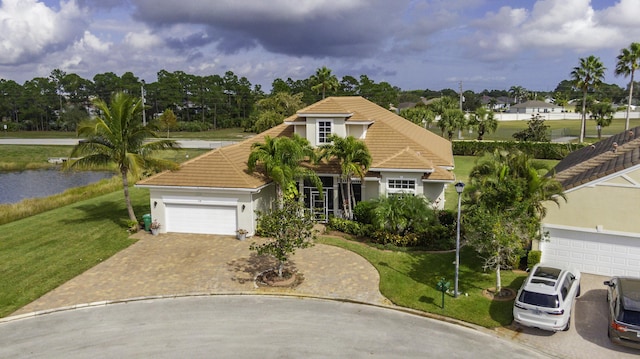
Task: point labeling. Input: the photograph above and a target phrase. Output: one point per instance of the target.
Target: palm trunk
(344, 201)
(626, 125)
(127, 198)
(584, 116)
(349, 204)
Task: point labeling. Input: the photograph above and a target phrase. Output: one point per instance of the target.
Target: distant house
(496, 104)
(597, 230)
(534, 106)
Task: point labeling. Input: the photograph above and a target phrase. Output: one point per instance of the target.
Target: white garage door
(596, 253)
(205, 219)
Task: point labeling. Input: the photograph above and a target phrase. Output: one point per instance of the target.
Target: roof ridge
(618, 151)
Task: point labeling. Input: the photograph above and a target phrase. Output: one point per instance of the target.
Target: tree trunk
(344, 201)
(498, 280)
(584, 116)
(626, 125)
(127, 198)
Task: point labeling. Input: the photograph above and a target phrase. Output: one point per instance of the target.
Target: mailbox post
(443, 286)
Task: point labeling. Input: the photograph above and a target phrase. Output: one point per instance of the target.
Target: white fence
(501, 116)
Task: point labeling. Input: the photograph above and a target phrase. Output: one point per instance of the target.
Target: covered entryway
(201, 218)
(591, 252)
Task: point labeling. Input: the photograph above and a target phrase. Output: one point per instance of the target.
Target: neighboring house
(496, 104)
(598, 229)
(214, 193)
(535, 106)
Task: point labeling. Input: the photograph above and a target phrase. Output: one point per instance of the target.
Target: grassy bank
(26, 157)
(41, 252)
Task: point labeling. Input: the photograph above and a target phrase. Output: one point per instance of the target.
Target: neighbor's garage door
(595, 253)
(196, 218)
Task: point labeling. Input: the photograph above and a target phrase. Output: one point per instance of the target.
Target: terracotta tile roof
(599, 160)
(225, 167)
(393, 142)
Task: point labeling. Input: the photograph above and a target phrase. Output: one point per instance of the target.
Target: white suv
(546, 298)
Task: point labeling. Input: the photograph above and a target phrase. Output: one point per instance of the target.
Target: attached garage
(203, 217)
(591, 252)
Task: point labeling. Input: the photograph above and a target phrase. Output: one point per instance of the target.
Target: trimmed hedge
(533, 258)
(539, 150)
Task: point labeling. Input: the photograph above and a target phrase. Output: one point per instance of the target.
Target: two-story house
(215, 193)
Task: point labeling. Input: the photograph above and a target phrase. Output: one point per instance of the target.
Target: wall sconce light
(243, 207)
(155, 203)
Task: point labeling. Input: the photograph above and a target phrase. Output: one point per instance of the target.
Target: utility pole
(144, 115)
(460, 84)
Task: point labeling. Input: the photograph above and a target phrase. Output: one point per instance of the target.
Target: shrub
(533, 258)
(539, 150)
(363, 211)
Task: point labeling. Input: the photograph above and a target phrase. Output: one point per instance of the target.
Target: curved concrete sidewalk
(175, 264)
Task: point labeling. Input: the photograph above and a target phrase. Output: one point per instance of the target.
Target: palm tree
(519, 93)
(452, 119)
(118, 136)
(505, 203)
(628, 63)
(355, 160)
(323, 80)
(587, 76)
(484, 121)
(602, 113)
(281, 160)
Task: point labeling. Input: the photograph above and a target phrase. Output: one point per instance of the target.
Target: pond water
(16, 186)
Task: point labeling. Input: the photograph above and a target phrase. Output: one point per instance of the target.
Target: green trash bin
(147, 222)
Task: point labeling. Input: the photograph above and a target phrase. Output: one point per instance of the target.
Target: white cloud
(552, 26)
(92, 42)
(143, 40)
(29, 29)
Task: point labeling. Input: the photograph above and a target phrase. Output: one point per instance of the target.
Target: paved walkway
(172, 264)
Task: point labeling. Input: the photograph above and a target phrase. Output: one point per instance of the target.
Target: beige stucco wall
(611, 205)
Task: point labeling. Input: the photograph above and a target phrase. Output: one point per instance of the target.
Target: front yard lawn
(409, 280)
(43, 251)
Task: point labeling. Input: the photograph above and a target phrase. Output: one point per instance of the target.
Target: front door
(319, 206)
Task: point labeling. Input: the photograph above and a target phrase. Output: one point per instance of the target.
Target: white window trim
(330, 121)
(391, 190)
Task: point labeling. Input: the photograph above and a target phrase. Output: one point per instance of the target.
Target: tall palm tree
(281, 160)
(628, 63)
(117, 136)
(355, 160)
(323, 80)
(589, 75)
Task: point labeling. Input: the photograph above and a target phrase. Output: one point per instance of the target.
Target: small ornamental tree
(289, 227)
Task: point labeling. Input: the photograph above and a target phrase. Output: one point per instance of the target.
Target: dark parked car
(623, 296)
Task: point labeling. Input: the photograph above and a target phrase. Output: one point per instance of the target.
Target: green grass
(22, 157)
(409, 280)
(229, 134)
(39, 253)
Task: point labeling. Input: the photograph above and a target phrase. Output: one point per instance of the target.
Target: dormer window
(325, 129)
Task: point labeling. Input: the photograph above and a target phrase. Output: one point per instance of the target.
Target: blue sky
(412, 44)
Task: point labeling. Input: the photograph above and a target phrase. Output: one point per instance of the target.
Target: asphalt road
(246, 327)
(74, 141)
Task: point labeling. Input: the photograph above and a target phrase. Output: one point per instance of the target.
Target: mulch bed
(270, 278)
(505, 294)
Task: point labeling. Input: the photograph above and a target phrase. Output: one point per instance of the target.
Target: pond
(17, 186)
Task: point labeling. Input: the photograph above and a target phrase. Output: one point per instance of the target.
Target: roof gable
(601, 159)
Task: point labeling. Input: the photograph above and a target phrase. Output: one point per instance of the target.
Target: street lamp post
(459, 188)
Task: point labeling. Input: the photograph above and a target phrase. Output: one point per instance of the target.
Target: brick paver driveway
(174, 264)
